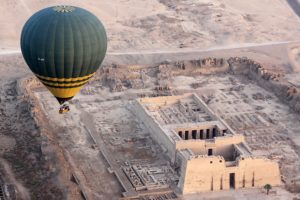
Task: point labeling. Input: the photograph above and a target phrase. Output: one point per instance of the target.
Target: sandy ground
(168, 24)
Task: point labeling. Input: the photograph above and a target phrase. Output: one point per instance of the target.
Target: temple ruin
(206, 152)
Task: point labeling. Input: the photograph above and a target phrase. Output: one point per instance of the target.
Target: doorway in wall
(201, 134)
(214, 132)
(180, 134)
(194, 133)
(210, 152)
(186, 135)
(232, 180)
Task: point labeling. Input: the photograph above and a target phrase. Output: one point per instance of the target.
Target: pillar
(208, 136)
(203, 134)
(214, 132)
(198, 135)
(190, 135)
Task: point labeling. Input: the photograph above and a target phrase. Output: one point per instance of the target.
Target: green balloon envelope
(63, 46)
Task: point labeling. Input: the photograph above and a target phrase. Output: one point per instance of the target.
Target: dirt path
(188, 50)
(9, 52)
(183, 50)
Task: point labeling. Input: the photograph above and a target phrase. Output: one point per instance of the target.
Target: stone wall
(206, 173)
(156, 131)
(200, 66)
(163, 100)
(220, 146)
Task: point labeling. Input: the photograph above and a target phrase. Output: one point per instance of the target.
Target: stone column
(198, 135)
(204, 134)
(190, 135)
(214, 132)
(208, 133)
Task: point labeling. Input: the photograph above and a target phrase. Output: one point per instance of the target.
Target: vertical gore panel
(95, 41)
(102, 43)
(94, 45)
(87, 51)
(69, 47)
(41, 42)
(50, 48)
(59, 47)
(78, 43)
(26, 38)
(31, 47)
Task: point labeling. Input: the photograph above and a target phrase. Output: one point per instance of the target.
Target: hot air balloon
(63, 46)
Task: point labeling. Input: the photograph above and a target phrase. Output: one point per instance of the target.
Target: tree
(268, 187)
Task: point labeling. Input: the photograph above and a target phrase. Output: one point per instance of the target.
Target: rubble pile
(201, 63)
(164, 78)
(209, 62)
(245, 64)
(88, 90)
(120, 78)
(267, 79)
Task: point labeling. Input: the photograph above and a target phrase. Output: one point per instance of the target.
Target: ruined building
(206, 152)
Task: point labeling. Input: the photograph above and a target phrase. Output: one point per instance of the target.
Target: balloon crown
(64, 8)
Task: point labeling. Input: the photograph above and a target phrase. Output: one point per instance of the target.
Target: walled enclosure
(209, 155)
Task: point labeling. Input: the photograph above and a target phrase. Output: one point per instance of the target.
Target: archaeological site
(207, 153)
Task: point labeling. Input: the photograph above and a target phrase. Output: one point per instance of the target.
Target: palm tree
(268, 187)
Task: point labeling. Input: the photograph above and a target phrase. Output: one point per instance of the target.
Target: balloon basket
(64, 109)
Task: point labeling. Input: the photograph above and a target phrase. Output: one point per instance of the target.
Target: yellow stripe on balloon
(65, 79)
(64, 92)
(64, 84)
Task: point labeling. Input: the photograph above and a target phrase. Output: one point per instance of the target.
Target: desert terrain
(83, 154)
(158, 25)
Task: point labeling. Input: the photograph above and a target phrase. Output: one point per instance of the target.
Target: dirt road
(183, 50)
